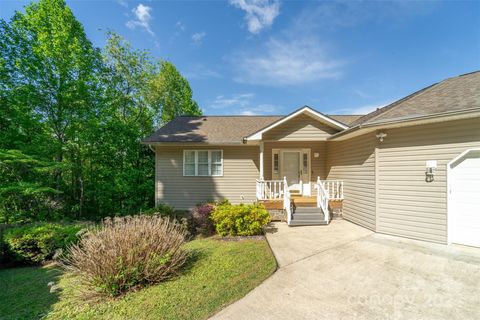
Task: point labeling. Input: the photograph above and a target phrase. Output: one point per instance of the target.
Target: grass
(220, 273)
(24, 293)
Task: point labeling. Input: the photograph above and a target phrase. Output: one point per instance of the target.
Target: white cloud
(287, 61)
(260, 109)
(241, 104)
(363, 109)
(180, 26)
(200, 71)
(197, 38)
(123, 3)
(259, 13)
(361, 93)
(236, 100)
(142, 18)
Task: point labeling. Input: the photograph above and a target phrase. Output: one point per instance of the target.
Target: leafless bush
(127, 253)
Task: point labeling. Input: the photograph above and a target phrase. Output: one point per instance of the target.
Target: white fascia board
(330, 121)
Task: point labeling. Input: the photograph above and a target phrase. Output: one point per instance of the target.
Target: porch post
(261, 160)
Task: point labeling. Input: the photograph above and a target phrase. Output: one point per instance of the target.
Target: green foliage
(73, 116)
(35, 243)
(240, 220)
(24, 191)
(173, 93)
(162, 209)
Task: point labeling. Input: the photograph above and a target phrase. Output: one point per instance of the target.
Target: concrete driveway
(343, 271)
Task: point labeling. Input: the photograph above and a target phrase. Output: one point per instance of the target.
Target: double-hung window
(202, 163)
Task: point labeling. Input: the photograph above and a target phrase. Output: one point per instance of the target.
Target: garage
(464, 199)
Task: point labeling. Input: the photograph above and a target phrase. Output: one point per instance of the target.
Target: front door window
(291, 168)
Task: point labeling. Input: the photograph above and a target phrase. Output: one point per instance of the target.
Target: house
(410, 169)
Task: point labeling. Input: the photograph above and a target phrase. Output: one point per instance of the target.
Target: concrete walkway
(343, 271)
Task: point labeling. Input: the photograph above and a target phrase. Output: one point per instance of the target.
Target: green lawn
(220, 273)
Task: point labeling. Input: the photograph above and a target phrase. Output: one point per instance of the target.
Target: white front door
(464, 200)
(291, 169)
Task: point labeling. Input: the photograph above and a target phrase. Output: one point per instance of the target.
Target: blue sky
(271, 57)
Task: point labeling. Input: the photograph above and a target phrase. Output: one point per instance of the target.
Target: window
(202, 162)
(275, 162)
(305, 163)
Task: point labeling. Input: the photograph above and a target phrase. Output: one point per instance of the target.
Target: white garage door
(464, 199)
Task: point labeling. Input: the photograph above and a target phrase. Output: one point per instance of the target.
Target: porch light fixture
(431, 166)
(381, 136)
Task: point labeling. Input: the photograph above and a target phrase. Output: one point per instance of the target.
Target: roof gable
(318, 116)
(300, 128)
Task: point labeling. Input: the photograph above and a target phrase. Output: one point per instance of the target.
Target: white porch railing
(270, 189)
(322, 199)
(278, 190)
(334, 188)
(287, 201)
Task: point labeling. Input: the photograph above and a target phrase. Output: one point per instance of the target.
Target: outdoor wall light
(381, 136)
(431, 166)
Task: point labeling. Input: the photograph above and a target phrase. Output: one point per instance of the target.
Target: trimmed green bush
(240, 220)
(34, 243)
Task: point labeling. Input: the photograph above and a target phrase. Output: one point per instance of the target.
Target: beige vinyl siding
(353, 161)
(240, 170)
(409, 206)
(300, 128)
(317, 164)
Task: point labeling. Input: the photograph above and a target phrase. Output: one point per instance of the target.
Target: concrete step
(308, 210)
(307, 223)
(313, 217)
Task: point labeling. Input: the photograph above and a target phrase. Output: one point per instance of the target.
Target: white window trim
(209, 162)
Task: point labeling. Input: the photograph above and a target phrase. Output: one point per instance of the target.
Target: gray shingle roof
(453, 94)
(219, 129)
(210, 129)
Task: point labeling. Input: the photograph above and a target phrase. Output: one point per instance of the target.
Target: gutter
(190, 143)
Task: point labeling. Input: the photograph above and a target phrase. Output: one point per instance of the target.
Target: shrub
(201, 216)
(163, 210)
(241, 220)
(127, 253)
(34, 243)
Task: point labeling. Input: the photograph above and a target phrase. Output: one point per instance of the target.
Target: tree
(24, 191)
(51, 68)
(173, 93)
(72, 118)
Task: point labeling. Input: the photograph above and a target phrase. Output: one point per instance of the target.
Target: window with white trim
(202, 163)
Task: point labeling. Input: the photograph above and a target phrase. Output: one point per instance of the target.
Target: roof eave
(192, 143)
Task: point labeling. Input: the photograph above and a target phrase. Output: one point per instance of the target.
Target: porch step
(307, 223)
(308, 216)
(308, 210)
